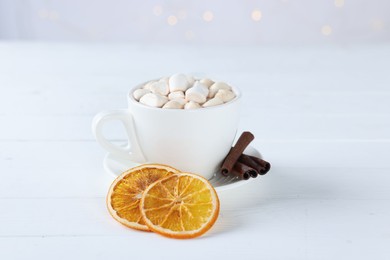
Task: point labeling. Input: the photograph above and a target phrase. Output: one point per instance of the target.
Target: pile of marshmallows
(181, 91)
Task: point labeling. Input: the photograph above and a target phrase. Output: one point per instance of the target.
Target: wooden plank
(263, 125)
(257, 102)
(52, 226)
(74, 169)
(90, 95)
(307, 81)
(125, 59)
(144, 248)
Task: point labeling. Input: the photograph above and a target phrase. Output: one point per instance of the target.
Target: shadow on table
(280, 190)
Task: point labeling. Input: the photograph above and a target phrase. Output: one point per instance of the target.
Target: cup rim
(136, 103)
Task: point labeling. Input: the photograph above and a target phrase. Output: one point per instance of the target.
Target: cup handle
(132, 151)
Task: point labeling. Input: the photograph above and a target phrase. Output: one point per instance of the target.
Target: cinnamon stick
(235, 152)
(264, 165)
(245, 159)
(243, 171)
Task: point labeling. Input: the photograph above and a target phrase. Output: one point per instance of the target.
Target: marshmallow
(217, 86)
(176, 94)
(213, 102)
(172, 104)
(182, 101)
(160, 87)
(190, 80)
(192, 105)
(148, 84)
(178, 82)
(207, 82)
(225, 95)
(198, 93)
(183, 91)
(153, 100)
(139, 93)
(165, 79)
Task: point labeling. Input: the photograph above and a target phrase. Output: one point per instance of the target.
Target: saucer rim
(250, 149)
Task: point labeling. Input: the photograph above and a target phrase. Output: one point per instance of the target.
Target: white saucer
(116, 165)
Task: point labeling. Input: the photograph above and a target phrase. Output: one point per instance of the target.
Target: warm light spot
(172, 20)
(157, 10)
(339, 3)
(377, 25)
(43, 13)
(326, 30)
(53, 15)
(189, 35)
(182, 14)
(256, 15)
(208, 16)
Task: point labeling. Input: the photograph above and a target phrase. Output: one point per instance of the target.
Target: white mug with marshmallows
(191, 140)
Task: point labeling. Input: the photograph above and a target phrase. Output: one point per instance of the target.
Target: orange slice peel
(182, 205)
(126, 191)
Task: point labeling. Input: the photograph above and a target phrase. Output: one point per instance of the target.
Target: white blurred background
(197, 21)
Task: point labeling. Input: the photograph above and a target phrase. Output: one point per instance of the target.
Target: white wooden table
(321, 116)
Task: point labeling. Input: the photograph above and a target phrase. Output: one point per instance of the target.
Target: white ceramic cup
(195, 140)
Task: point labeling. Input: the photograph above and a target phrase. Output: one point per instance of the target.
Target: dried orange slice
(182, 205)
(126, 191)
